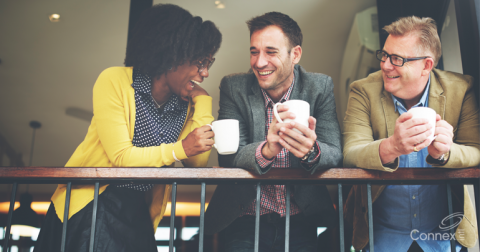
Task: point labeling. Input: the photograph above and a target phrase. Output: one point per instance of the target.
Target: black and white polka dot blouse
(153, 126)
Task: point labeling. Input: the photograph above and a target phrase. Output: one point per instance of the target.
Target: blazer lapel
(389, 111)
(436, 99)
(297, 95)
(298, 87)
(257, 105)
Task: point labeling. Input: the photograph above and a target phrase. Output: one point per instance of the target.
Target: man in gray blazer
(275, 49)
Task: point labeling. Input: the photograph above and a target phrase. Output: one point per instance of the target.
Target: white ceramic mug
(227, 136)
(429, 114)
(300, 108)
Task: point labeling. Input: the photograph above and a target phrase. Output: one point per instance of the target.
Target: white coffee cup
(300, 108)
(227, 136)
(427, 113)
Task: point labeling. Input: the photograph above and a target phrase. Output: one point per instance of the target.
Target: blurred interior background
(49, 63)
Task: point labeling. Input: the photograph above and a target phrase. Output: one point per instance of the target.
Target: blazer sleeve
(327, 129)
(113, 113)
(360, 149)
(465, 149)
(230, 108)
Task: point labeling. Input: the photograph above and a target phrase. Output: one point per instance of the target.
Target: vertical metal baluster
(340, 216)
(10, 215)
(477, 202)
(202, 219)
(257, 218)
(370, 217)
(450, 212)
(287, 219)
(172, 216)
(94, 216)
(65, 217)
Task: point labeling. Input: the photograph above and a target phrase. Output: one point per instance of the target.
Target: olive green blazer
(370, 118)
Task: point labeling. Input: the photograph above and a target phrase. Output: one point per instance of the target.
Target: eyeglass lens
(394, 59)
(206, 63)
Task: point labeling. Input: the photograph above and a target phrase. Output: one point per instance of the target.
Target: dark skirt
(123, 225)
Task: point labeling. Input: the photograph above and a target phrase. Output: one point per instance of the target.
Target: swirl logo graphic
(457, 218)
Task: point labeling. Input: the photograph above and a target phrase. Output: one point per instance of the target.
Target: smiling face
(409, 81)
(181, 80)
(271, 60)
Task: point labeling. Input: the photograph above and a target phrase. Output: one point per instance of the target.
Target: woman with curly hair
(150, 113)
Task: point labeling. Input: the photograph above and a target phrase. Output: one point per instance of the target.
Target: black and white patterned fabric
(154, 126)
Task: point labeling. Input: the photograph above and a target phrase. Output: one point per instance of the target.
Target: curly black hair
(167, 36)
(289, 27)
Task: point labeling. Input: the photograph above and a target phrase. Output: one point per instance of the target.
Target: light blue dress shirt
(403, 213)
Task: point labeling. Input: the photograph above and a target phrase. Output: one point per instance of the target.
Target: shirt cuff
(179, 151)
(261, 160)
(314, 157)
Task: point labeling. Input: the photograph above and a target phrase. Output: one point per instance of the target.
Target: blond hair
(426, 31)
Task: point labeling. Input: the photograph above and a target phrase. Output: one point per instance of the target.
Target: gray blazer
(241, 99)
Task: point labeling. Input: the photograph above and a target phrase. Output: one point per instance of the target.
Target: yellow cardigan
(109, 142)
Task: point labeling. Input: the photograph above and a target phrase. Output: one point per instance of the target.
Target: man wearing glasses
(380, 135)
(275, 50)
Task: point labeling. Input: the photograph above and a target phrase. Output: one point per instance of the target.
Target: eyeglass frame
(404, 60)
(201, 66)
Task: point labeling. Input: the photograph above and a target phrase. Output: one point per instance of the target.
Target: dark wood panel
(136, 9)
(469, 38)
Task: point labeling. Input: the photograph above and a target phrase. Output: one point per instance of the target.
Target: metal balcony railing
(203, 176)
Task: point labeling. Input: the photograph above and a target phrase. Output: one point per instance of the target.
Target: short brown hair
(426, 31)
(289, 27)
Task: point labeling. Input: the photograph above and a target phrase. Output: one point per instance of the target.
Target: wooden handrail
(329, 176)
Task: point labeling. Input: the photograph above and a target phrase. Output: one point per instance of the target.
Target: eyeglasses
(395, 59)
(205, 63)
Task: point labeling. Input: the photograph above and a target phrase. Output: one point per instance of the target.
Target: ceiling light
(54, 18)
(185, 209)
(24, 218)
(219, 5)
(40, 207)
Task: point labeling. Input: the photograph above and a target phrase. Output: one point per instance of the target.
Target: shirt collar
(399, 104)
(143, 84)
(284, 98)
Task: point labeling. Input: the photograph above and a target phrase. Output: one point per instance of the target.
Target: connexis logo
(444, 234)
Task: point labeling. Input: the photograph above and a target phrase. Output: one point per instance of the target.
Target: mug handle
(275, 112)
(211, 126)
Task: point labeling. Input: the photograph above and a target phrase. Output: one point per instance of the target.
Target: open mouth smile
(392, 77)
(264, 73)
(192, 82)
